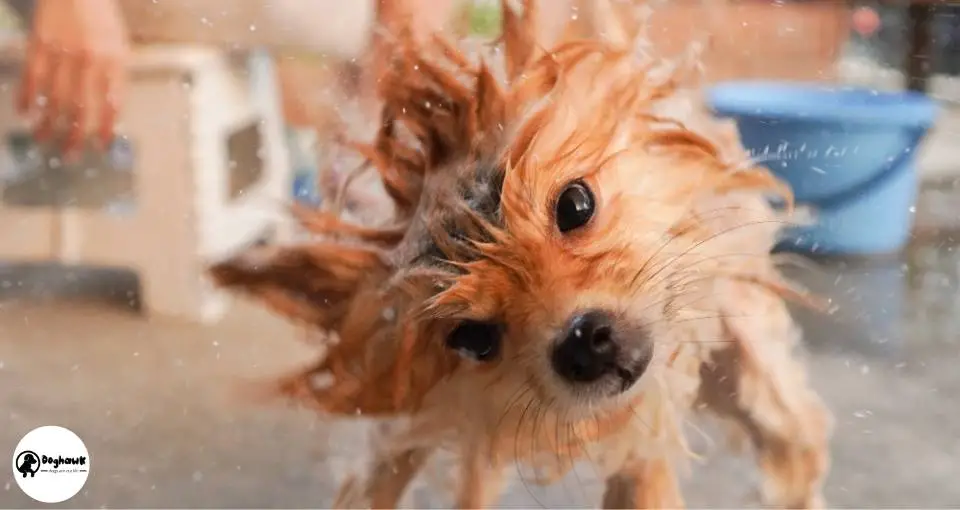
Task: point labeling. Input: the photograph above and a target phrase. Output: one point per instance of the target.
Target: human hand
(75, 72)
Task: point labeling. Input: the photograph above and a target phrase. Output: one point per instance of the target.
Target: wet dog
(567, 275)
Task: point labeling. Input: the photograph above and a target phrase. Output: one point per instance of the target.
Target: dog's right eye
(575, 207)
(476, 340)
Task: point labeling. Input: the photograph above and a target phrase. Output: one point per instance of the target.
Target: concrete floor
(162, 408)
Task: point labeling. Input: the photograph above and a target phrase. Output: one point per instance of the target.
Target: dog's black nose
(587, 350)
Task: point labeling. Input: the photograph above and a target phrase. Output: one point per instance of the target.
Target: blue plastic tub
(848, 152)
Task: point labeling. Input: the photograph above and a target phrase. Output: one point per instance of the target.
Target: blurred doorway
(920, 41)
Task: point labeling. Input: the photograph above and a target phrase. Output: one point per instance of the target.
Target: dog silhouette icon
(28, 464)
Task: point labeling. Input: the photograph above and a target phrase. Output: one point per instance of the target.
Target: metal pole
(920, 46)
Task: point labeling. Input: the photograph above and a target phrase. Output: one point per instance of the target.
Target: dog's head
(551, 229)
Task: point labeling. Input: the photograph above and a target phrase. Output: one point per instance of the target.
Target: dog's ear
(312, 283)
(519, 33)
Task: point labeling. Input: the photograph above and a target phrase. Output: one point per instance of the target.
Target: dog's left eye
(575, 207)
(476, 340)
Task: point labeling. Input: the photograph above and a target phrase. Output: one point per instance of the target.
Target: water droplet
(321, 381)
(389, 314)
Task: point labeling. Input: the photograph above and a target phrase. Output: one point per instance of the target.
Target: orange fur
(677, 226)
